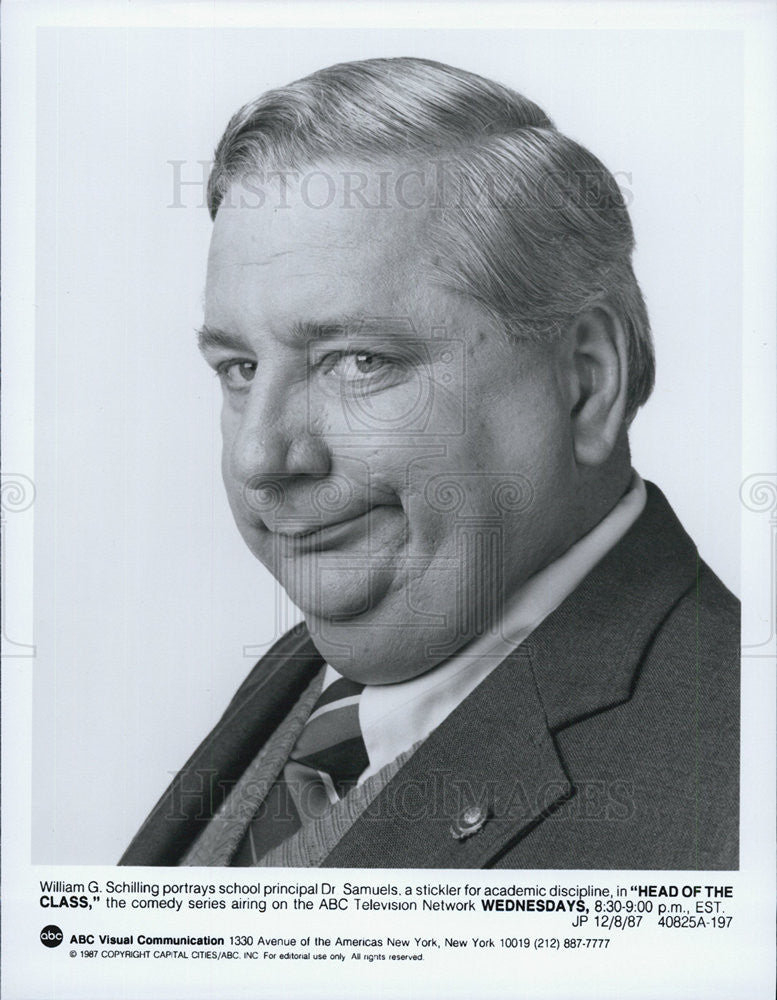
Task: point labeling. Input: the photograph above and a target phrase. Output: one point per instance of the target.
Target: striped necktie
(330, 753)
(324, 764)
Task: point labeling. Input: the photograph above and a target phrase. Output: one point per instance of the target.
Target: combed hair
(530, 224)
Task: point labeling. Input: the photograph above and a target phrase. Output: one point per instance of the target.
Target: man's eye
(352, 365)
(236, 374)
(367, 363)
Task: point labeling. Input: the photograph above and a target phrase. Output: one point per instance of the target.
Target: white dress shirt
(393, 717)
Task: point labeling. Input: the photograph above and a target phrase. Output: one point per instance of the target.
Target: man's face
(394, 460)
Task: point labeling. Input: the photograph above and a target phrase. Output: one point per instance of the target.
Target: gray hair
(531, 224)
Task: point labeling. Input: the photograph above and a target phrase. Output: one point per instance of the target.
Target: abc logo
(51, 936)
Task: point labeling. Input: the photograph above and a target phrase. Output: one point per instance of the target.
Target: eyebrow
(352, 326)
(213, 338)
(210, 337)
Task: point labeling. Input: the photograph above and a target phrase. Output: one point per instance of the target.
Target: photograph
(388, 500)
(431, 342)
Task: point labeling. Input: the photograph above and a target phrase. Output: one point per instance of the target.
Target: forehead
(307, 242)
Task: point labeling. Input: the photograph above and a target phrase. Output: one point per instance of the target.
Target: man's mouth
(298, 539)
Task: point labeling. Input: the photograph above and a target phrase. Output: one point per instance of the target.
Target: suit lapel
(586, 655)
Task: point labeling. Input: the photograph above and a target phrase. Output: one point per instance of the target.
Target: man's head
(421, 305)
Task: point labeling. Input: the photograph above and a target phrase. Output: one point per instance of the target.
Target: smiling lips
(325, 536)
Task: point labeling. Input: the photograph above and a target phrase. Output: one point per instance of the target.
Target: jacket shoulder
(293, 647)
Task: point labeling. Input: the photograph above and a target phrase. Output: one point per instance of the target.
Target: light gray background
(145, 597)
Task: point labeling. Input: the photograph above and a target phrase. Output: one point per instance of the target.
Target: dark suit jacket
(608, 739)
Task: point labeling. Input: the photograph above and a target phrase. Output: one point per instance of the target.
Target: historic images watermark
(439, 796)
(434, 184)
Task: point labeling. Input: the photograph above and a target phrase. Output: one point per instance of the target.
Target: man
(431, 343)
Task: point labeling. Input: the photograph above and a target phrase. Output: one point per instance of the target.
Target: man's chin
(344, 599)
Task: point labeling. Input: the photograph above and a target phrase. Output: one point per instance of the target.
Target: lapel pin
(470, 821)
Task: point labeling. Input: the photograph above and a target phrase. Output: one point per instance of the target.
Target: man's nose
(276, 438)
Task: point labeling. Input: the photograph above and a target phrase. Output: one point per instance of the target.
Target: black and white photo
(388, 499)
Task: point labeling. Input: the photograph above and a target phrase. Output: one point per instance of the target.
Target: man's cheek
(242, 514)
(226, 451)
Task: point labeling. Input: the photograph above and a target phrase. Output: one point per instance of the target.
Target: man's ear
(595, 361)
